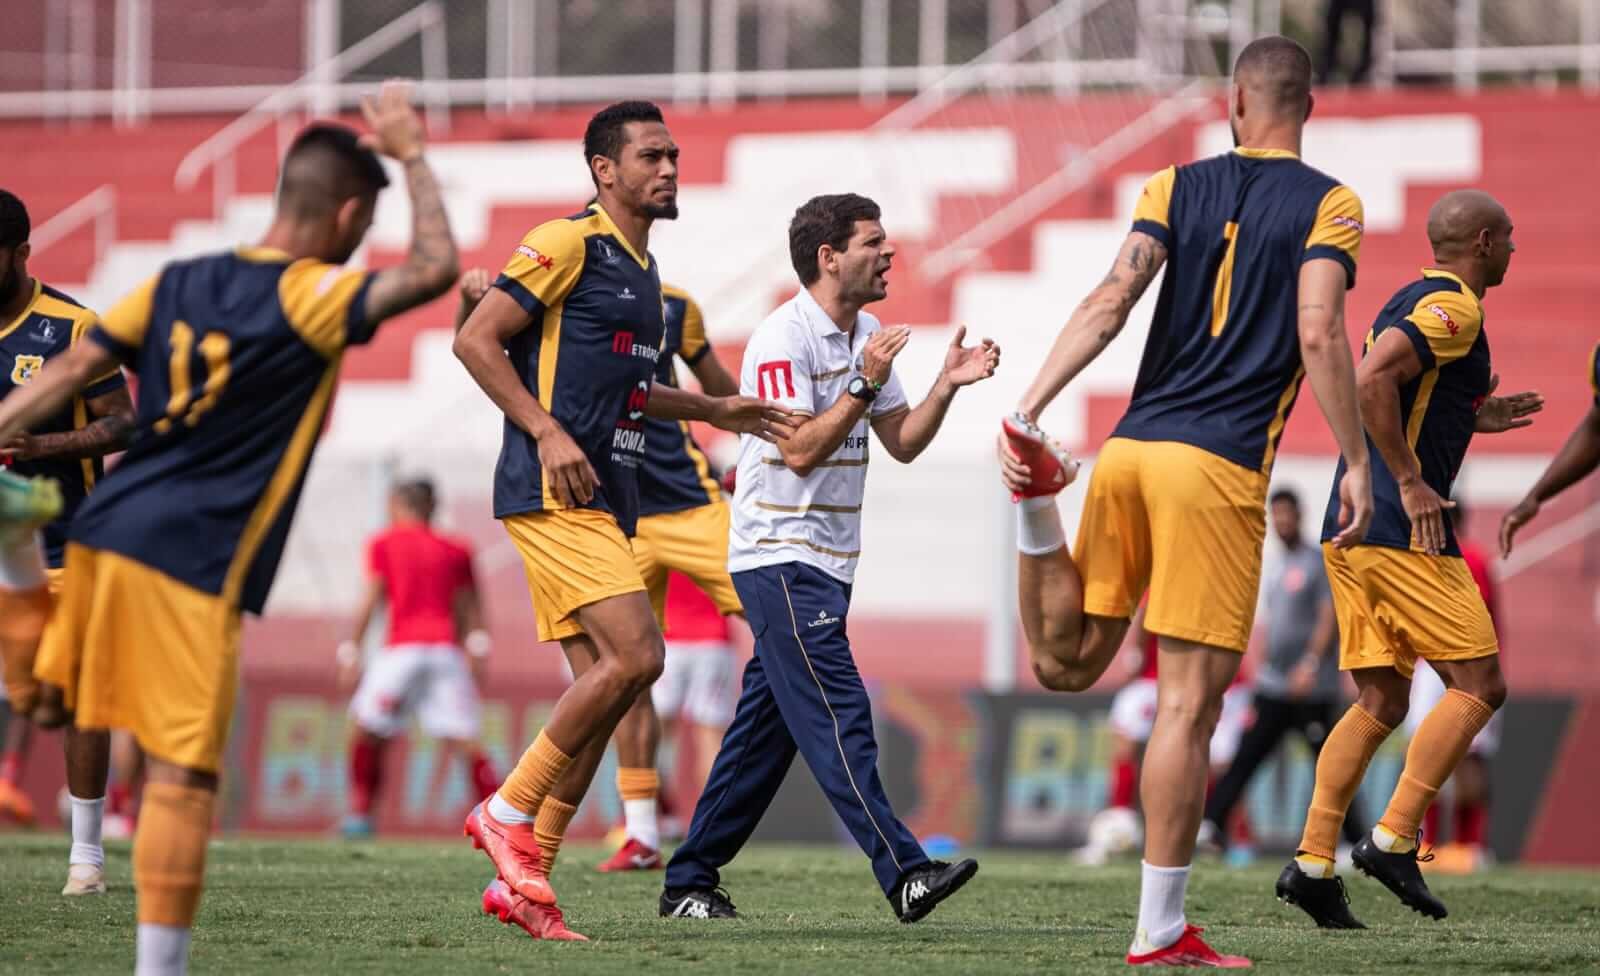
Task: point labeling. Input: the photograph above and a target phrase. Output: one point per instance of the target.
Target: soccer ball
(1116, 830)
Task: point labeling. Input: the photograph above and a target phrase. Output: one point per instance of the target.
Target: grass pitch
(326, 907)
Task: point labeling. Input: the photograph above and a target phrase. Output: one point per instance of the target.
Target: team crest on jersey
(1443, 316)
(24, 368)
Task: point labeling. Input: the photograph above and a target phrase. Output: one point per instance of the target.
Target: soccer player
(683, 528)
(434, 614)
(1260, 248)
(796, 539)
(1469, 785)
(566, 343)
(1405, 593)
(237, 356)
(38, 324)
(1576, 460)
(1297, 684)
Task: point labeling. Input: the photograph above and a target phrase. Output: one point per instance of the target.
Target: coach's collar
(1265, 153)
(815, 317)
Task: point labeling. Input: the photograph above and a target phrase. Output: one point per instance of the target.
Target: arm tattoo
(431, 264)
(106, 435)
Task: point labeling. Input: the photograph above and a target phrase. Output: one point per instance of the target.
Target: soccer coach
(792, 551)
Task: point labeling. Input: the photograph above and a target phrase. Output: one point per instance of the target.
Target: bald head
(1276, 74)
(326, 166)
(1459, 219)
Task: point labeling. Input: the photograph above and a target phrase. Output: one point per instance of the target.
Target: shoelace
(719, 896)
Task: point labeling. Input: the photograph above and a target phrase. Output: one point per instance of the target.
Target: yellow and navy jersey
(1221, 368)
(48, 326)
(1443, 320)
(1594, 374)
(589, 358)
(236, 356)
(676, 474)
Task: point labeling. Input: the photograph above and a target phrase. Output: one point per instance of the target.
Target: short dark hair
(829, 219)
(325, 166)
(14, 224)
(1279, 68)
(1285, 495)
(606, 135)
(417, 494)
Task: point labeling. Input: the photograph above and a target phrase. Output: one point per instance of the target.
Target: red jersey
(1478, 565)
(421, 573)
(691, 615)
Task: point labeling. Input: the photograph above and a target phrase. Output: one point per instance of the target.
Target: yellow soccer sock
(535, 775)
(550, 828)
(640, 789)
(1436, 750)
(169, 853)
(1345, 755)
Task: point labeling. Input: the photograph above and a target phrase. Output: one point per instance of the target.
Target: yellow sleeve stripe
(545, 265)
(1443, 325)
(1151, 213)
(129, 319)
(315, 297)
(694, 343)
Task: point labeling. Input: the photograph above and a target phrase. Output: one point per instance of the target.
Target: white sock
(1390, 842)
(506, 813)
(86, 818)
(21, 561)
(1039, 529)
(1161, 919)
(163, 950)
(640, 819)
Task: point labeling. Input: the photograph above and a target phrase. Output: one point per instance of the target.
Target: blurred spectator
(1338, 14)
(1297, 685)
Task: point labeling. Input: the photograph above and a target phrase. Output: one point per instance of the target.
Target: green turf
(320, 907)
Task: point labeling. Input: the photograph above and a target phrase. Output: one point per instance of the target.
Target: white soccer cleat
(1051, 467)
(85, 879)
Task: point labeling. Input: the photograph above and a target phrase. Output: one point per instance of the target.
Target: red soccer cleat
(1189, 950)
(539, 921)
(514, 852)
(632, 856)
(1051, 467)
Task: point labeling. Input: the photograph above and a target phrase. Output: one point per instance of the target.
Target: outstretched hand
(769, 421)
(965, 365)
(1499, 414)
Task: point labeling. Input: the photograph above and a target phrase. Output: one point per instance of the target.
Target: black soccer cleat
(921, 889)
(1324, 899)
(1400, 874)
(696, 903)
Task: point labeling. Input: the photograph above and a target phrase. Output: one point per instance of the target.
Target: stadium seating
(744, 170)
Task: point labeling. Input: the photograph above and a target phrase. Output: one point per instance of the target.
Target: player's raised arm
(1325, 351)
(1097, 320)
(431, 265)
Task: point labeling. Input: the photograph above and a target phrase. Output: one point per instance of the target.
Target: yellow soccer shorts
(1395, 605)
(132, 648)
(693, 542)
(1183, 523)
(573, 557)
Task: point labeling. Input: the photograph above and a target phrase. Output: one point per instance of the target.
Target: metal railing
(219, 152)
(97, 207)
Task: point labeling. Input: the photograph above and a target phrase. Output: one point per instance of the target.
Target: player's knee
(1195, 710)
(1386, 706)
(1055, 675)
(1491, 690)
(642, 666)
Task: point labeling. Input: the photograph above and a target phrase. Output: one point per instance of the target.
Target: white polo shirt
(799, 358)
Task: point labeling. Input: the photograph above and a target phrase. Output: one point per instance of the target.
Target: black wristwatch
(862, 388)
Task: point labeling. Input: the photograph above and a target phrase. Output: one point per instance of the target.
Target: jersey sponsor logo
(608, 254)
(45, 333)
(626, 294)
(775, 379)
(1349, 222)
(1443, 316)
(623, 345)
(638, 400)
(23, 368)
(542, 260)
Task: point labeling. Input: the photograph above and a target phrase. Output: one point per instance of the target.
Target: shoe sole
(956, 885)
(1286, 895)
(1020, 438)
(1430, 911)
(547, 894)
